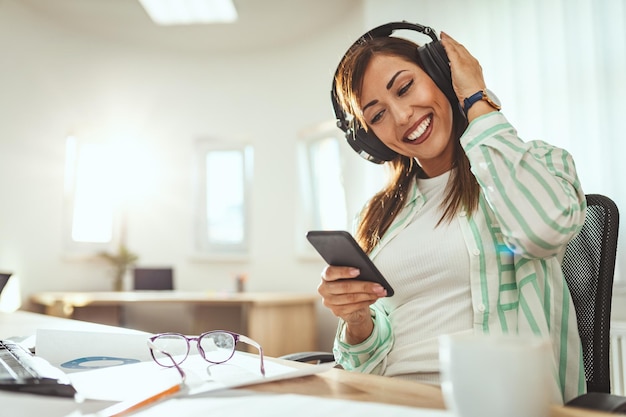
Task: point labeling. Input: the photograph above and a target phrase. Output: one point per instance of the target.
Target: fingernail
(379, 290)
(354, 272)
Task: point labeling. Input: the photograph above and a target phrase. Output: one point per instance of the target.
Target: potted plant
(121, 262)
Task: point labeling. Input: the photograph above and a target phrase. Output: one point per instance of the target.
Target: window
(103, 180)
(224, 175)
(92, 219)
(90, 212)
(327, 190)
(322, 198)
(335, 183)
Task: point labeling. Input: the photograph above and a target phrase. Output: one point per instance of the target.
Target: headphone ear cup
(367, 144)
(436, 64)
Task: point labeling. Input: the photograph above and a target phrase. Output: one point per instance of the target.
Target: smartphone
(339, 248)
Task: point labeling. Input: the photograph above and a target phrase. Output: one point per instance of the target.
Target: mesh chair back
(589, 265)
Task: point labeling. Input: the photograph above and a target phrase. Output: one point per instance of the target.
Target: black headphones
(434, 62)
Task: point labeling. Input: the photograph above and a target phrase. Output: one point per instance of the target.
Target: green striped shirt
(531, 205)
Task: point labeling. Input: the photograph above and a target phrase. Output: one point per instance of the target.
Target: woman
(469, 230)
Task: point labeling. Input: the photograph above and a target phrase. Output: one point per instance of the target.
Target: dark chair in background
(4, 278)
(153, 279)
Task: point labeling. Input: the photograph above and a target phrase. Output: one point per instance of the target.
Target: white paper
(144, 379)
(119, 367)
(73, 351)
(18, 404)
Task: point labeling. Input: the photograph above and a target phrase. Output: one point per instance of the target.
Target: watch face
(492, 98)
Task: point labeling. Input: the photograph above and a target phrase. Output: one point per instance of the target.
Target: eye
(402, 91)
(377, 117)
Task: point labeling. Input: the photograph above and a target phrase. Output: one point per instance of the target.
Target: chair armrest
(600, 401)
(319, 357)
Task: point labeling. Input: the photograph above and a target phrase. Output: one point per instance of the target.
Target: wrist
(356, 333)
(479, 109)
(484, 100)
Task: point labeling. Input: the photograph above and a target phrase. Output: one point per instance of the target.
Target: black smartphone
(339, 248)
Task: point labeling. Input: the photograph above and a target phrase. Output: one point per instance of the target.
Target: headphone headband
(388, 28)
(435, 63)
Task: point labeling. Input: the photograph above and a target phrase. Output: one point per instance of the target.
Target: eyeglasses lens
(175, 345)
(218, 347)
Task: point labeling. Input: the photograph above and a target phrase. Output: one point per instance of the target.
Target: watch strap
(478, 96)
(469, 101)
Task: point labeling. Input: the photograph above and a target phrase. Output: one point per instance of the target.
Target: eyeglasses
(218, 346)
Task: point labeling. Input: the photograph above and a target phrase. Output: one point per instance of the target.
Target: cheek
(446, 116)
(384, 133)
(379, 130)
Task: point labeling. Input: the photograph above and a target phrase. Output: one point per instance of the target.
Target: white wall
(54, 81)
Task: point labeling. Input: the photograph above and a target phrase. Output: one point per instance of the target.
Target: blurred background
(99, 104)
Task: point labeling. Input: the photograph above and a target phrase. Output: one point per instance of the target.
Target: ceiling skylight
(189, 12)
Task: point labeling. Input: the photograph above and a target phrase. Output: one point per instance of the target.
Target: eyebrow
(393, 79)
(389, 85)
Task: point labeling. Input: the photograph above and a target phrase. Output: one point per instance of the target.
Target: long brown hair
(462, 189)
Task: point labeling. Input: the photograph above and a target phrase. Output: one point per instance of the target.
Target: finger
(349, 302)
(351, 298)
(333, 273)
(352, 313)
(449, 44)
(349, 291)
(457, 53)
(355, 286)
(445, 38)
(339, 288)
(341, 275)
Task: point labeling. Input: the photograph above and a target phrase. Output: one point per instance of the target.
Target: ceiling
(261, 24)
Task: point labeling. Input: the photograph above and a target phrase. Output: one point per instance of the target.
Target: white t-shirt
(428, 267)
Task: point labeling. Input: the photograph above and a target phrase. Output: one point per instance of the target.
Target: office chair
(153, 279)
(589, 266)
(310, 357)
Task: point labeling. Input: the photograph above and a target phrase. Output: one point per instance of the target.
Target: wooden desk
(272, 319)
(334, 383)
(340, 384)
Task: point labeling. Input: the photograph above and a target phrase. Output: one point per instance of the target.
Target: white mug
(496, 375)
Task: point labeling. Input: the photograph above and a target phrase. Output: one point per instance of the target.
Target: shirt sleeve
(532, 187)
(370, 355)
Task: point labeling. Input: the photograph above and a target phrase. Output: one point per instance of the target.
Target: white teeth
(420, 129)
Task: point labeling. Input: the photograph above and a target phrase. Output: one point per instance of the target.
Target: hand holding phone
(338, 248)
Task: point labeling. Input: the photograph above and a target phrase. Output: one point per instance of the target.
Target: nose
(401, 113)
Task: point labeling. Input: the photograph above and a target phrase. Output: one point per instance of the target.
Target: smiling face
(408, 112)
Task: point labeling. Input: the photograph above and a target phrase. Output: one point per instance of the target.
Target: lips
(419, 132)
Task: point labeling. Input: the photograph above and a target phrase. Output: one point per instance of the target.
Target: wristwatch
(486, 95)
